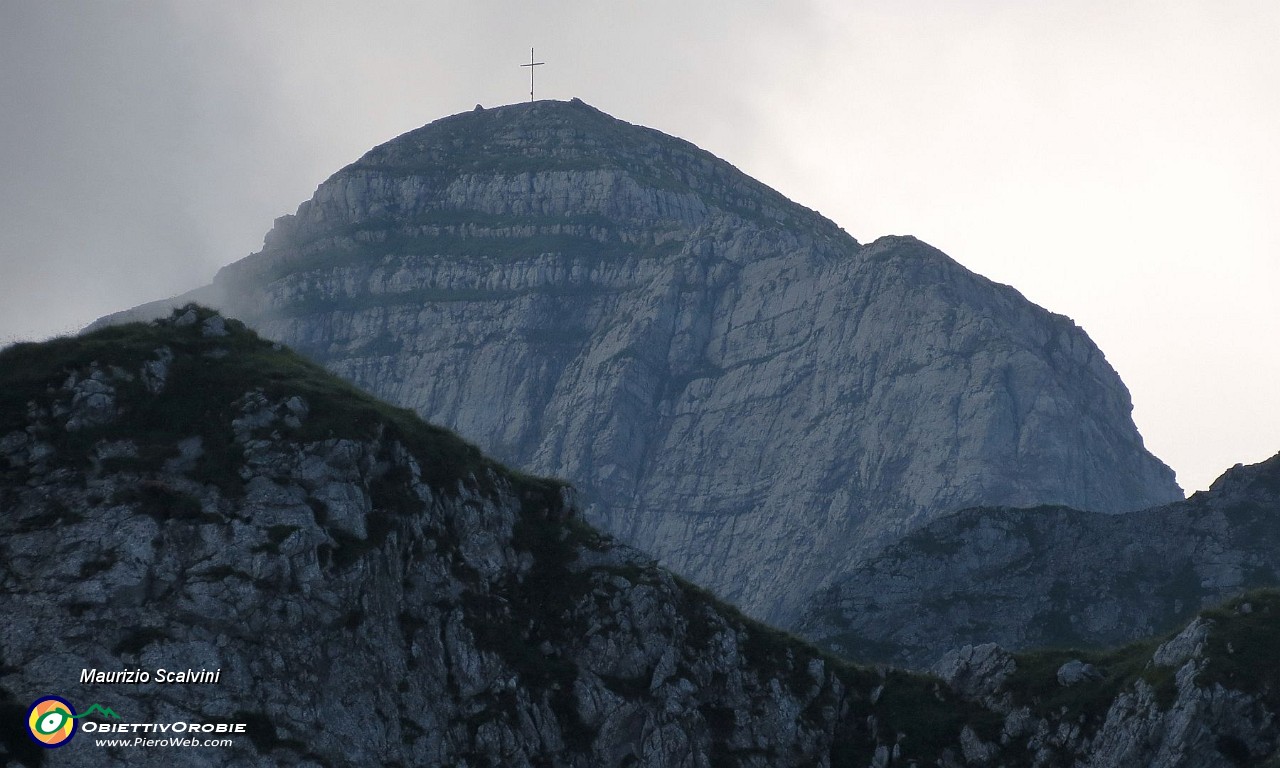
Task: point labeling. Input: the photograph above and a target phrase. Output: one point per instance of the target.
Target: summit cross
(531, 65)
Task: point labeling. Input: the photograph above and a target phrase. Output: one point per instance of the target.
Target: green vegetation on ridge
(214, 373)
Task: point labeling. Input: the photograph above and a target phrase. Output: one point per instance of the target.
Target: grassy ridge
(207, 377)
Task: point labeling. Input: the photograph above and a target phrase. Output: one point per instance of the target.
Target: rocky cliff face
(731, 381)
(374, 591)
(1055, 577)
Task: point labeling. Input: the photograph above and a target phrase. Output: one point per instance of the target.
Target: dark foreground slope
(731, 381)
(1029, 578)
(377, 592)
(373, 589)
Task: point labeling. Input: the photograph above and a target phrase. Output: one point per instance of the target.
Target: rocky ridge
(1206, 696)
(376, 591)
(1055, 577)
(731, 381)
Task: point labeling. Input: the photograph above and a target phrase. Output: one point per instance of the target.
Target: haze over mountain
(733, 383)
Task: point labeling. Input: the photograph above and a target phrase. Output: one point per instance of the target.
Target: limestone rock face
(976, 672)
(1028, 578)
(372, 590)
(732, 382)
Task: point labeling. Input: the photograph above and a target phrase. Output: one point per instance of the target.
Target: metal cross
(531, 65)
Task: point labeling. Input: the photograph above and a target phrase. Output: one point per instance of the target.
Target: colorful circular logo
(50, 721)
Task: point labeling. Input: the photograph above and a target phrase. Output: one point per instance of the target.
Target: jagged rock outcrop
(731, 381)
(373, 590)
(1027, 578)
(1206, 697)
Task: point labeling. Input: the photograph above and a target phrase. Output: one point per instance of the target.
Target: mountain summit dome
(558, 175)
(731, 381)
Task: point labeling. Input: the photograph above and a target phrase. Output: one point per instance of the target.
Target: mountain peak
(731, 381)
(559, 132)
(553, 159)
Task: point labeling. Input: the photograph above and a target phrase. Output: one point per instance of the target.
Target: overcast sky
(1115, 161)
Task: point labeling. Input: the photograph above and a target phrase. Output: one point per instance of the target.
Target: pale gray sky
(1115, 161)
